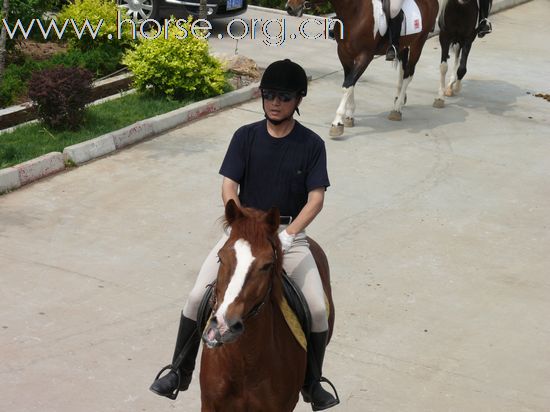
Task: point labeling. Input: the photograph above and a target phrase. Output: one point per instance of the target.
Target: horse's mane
(252, 227)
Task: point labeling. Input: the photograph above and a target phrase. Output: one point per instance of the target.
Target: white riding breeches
(299, 264)
(395, 7)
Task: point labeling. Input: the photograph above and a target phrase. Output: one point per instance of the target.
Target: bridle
(258, 307)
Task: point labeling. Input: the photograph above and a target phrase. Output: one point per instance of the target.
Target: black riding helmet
(285, 75)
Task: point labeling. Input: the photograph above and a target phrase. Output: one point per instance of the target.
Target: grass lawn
(34, 140)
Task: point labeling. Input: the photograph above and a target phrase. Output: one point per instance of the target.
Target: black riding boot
(312, 391)
(484, 26)
(181, 370)
(394, 31)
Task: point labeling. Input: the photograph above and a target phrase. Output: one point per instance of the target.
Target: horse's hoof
(449, 92)
(336, 130)
(349, 122)
(395, 115)
(439, 103)
(457, 88)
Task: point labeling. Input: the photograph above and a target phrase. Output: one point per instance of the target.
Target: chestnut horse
(359, 41)
(457, 27)
(251, 360)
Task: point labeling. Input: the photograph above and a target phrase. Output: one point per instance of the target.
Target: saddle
(294, 308)
(412, 19)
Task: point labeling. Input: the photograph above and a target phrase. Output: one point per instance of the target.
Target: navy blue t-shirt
(276, 171)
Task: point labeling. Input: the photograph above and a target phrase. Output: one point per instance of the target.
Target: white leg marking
(244, 258)
(443, 72)
(341, 111)
(453, 78)
(400, 75)
(350, 104)
(401, 98)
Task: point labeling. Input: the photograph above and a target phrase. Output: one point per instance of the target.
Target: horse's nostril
(237, 327)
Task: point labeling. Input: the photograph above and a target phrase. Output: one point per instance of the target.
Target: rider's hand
(286, 240)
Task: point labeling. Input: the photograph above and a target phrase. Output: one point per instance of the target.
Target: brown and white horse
(359, 41)
(251, 360)
(457, 28)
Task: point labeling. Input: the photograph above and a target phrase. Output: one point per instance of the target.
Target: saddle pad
(293, 322)
(412, 20)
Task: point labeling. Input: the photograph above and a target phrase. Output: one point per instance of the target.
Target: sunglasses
(283, 96)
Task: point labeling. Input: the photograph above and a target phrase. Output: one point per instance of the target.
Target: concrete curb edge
(21, 174)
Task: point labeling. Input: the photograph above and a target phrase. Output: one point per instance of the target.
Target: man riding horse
(273, 162)
(396, 20)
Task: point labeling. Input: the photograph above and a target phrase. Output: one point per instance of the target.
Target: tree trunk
(3, 38)
(202, 9)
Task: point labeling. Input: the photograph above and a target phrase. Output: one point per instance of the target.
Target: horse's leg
(402, 83)
(462, 68)
(350, 110)
(449, 90)
(400, 74)
(353, 69)
(439, 101)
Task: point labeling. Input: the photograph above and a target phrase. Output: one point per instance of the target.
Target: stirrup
(323, 379)
(388, 56)
(173, 395)
(308, 399)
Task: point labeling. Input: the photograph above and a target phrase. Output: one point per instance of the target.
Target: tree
(202, 9)
(3, 38)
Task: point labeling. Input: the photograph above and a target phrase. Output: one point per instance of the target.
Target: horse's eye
(220, 260)
(267, 266)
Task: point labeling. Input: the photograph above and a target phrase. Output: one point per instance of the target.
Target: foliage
(61, 94)
(32, 140)
(176, 65)
(14, 81)
(100, 61)
(93, 12)
(25, 11)
(317, 9)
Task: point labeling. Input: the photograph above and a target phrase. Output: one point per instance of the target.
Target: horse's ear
(232, 211)
(273, 218)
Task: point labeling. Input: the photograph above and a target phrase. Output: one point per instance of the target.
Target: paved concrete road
(437, 230)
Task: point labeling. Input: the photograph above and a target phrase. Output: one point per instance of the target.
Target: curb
(24, 173)
(14, 177)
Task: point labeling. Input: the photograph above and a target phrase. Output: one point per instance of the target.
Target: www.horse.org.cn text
(272, 32)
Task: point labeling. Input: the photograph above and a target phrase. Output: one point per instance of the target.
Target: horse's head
(295, 7)
(249, 273)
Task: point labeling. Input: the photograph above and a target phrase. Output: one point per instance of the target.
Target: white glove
(286, 240)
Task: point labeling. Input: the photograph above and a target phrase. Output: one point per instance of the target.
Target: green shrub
(25, 11)
(100, 61)
(93, 11)
(61, 94)
(14, 81)
(176, 67)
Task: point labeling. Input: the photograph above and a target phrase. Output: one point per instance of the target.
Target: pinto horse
(457, 27)
(251, 360)
(359, 41)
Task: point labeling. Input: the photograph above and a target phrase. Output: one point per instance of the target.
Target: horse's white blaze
(341, 111)
(244, 257)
